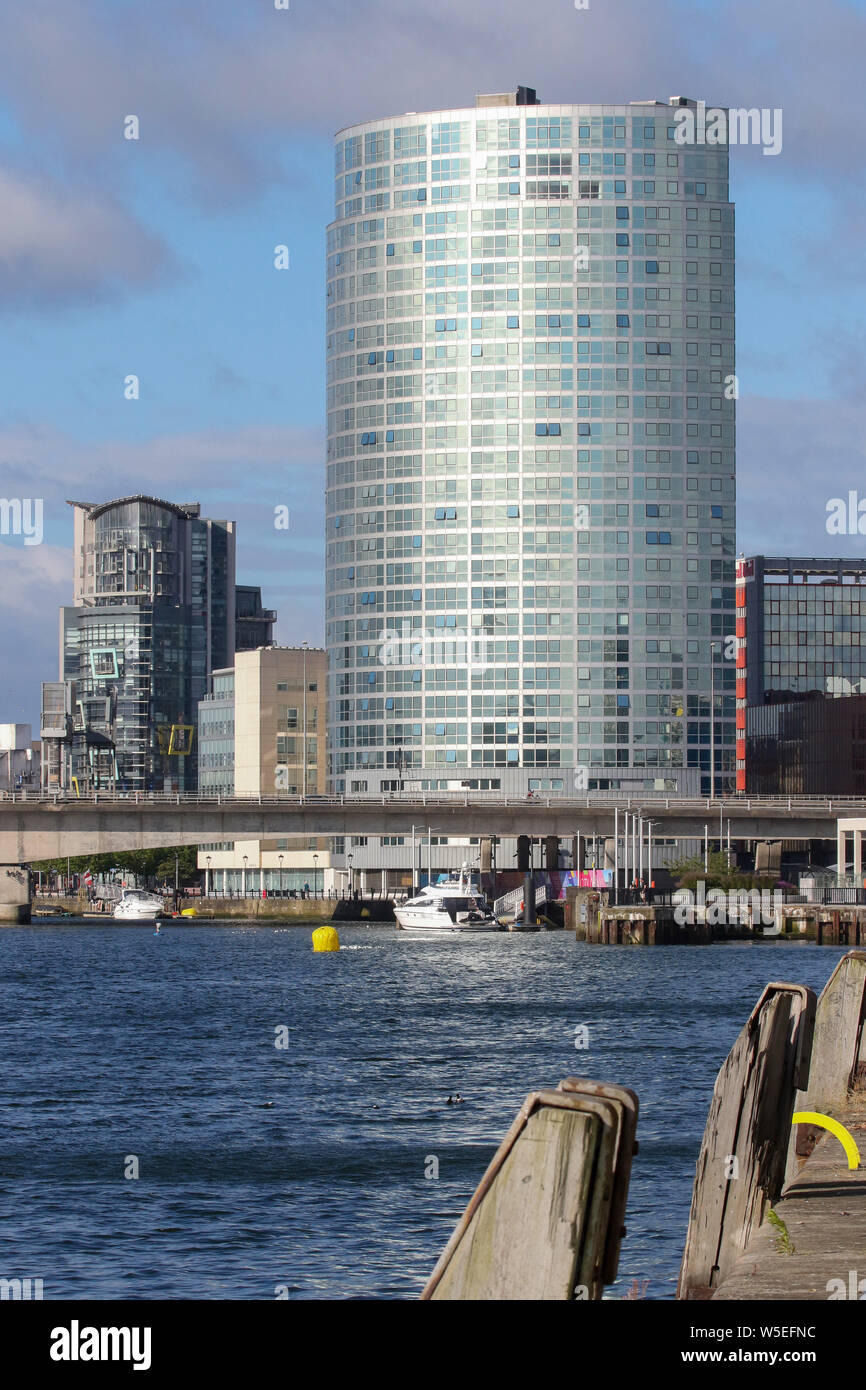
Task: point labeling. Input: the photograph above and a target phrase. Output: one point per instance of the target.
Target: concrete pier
(14, 895)
(778, 1211)
(823, 1215)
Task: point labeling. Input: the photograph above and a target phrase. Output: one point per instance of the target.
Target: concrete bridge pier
(14, 895)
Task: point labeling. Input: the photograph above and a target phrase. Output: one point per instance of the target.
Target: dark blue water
(116, 1043)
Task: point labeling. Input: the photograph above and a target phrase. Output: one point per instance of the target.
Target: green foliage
(689, 872)
(784, 1244)
(147, 863)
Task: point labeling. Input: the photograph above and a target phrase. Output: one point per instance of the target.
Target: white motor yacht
(455, 905)
(137, 906)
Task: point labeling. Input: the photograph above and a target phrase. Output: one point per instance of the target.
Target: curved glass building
(154, 615)
(530, 483)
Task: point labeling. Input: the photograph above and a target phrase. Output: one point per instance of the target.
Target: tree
(688, 872)
(145, 863)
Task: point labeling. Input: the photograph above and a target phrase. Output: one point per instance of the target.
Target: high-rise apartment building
(154, 592)
(530, 484)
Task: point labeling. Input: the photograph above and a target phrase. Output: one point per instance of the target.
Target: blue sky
(155, 256)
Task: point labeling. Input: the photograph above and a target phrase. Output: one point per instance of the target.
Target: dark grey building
(254, 625)
(801, 673)
(810, 747)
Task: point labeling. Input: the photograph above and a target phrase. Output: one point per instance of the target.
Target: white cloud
(62, 245)
(222, 85)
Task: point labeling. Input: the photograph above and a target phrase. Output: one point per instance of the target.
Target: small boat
(448, 907)
(137, 906)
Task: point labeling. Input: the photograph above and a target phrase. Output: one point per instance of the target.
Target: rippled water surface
(304, 1166)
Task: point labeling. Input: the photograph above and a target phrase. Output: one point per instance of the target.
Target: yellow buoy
(326, 939)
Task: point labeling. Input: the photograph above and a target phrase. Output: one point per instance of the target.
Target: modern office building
(254, 624)
(801, 651)
(814, 746)
(153, 616)
(262, 733)
(531, 480)
(216, 735)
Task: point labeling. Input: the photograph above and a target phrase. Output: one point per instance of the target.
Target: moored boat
(452, 906)
(135, 905)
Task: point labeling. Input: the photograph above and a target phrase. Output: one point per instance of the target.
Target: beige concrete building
(262, 731)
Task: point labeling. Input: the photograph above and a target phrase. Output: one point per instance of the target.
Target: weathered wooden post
(838, 1054)
(741, 1167)
(546, 1220)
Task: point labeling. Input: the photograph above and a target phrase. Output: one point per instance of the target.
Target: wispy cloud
(219, 86)
(62, 246)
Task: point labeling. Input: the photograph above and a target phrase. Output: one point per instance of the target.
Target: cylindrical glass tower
(530, 488)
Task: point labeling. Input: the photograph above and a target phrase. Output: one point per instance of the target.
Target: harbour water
(308, 1169)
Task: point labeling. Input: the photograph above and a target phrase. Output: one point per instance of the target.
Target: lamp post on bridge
(713, 646)
(304, 695)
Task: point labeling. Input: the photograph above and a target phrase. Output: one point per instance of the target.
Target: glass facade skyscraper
(531, 480)
(154, 615)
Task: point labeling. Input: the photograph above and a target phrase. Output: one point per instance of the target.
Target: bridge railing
(439, 799)
(509, 900)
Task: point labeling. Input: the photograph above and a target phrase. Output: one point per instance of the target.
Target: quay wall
(296, 911)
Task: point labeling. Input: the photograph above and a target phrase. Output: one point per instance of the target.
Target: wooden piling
(814, 1248)
(546, 1219)
(741, 1167)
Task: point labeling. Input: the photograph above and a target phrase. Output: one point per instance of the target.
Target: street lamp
(350, 857)
(280, 857)
(713, 646)
(207, 877)
(244, 879)
(304, 695)
(649, 853)
(315, 874)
